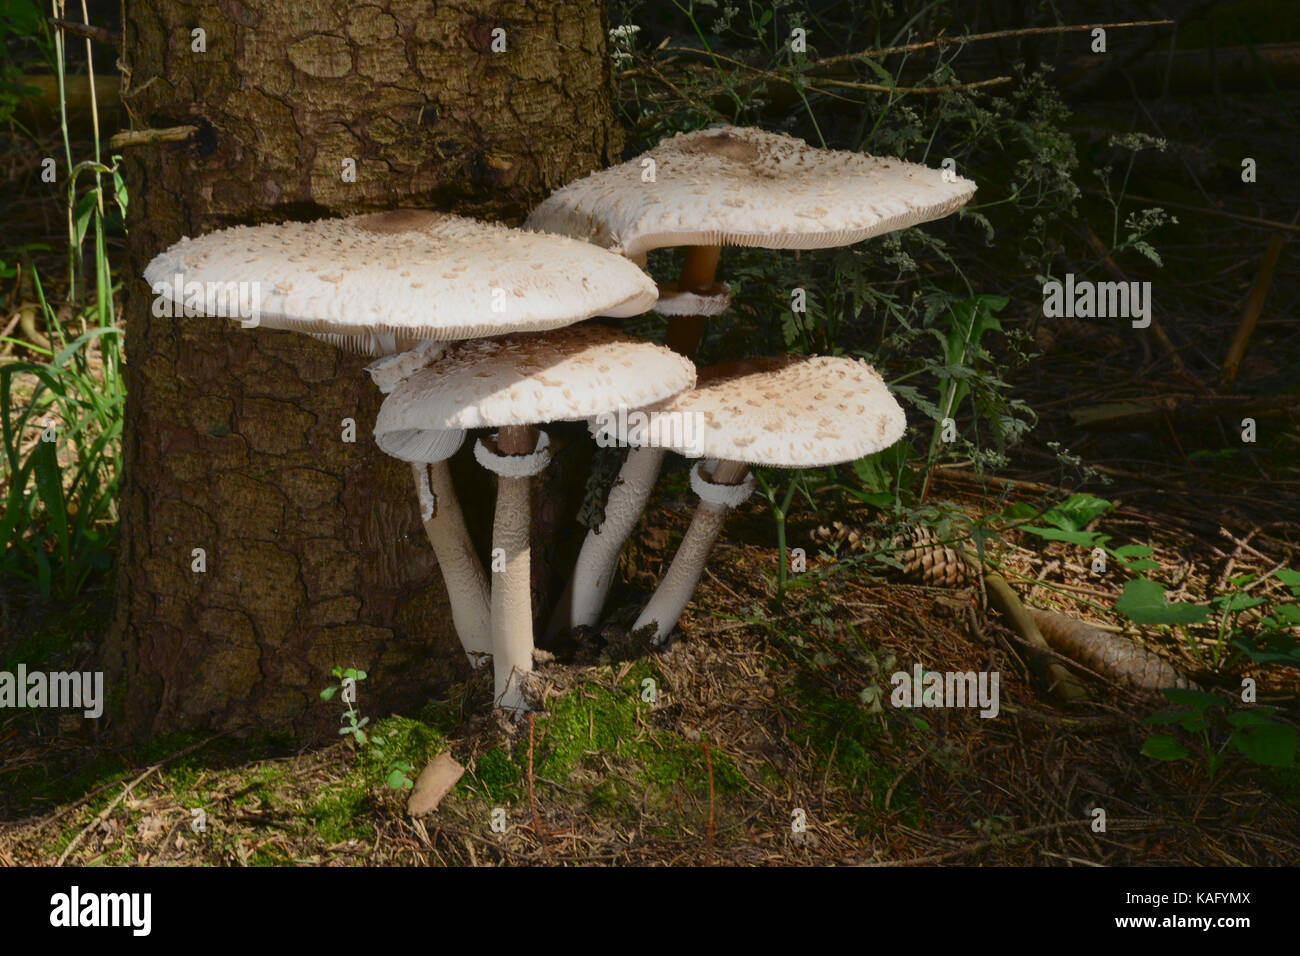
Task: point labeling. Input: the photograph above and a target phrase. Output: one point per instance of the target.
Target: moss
(403, 739)
(335, 812)
(444, 716)
(495, 775)
(843, 734)
(684, 764)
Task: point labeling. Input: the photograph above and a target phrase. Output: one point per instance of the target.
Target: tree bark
(314, 551)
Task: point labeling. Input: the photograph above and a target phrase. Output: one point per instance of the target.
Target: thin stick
(973, 37)
(710, 826)
(101, 34)
(1113, 268)
(532, 803)
(1254, 305)
(844, 84)
(103, 815)
(1005, 600)
(985, 844)
(1207, 210)
(148, 137)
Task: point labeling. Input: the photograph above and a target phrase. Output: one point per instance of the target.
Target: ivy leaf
(1143, 602)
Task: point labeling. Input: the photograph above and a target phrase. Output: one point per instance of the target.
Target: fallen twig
(149, 137)
(1064, 684)
(1254, 305)
(709, 827)
(974, 37)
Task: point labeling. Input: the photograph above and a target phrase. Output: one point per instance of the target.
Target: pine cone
(938, 565)
(839, 535)
(1109, 654)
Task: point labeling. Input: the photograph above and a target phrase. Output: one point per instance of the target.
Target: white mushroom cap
(408, 273)
(569, 374)
(747, 187)
(789, 412)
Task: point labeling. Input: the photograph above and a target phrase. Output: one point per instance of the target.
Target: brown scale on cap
(726, 146)
(399, 220)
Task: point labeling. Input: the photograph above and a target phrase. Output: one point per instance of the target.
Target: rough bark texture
(314, 551)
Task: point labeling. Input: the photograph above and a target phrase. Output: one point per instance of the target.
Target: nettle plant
(1215, 728)
(398, 775)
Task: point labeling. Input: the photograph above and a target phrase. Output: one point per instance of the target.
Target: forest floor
(764, 734)
(799, 767)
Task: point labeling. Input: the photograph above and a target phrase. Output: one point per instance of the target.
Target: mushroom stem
(512, 603)
(597, 561)
(698, 272)
(725, 488)
(467, 589)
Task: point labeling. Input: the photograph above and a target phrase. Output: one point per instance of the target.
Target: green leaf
(1270, 745)
(1271, 649)
(1132, 551)
(1193, 723)
(1142, 564)
(84, 209)
(1257, 717)
(1287, 613)
(119, 191)
(329, 692)
(1198, 700)
(1288, 577)
(1237, 602)
(1077, 510)
(1163, 747)
(397, 780)
(49, 484)
(1084, 539)
(1143, 602)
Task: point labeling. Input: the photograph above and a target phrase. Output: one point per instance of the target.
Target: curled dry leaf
(434, 783)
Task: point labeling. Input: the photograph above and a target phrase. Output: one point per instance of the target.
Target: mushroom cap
(787, 412)
(569, 374)
(747, 187)
(408, 273)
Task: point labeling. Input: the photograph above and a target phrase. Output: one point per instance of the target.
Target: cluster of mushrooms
(484, 328)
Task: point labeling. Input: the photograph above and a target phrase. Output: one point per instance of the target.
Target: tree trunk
(234, 438)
